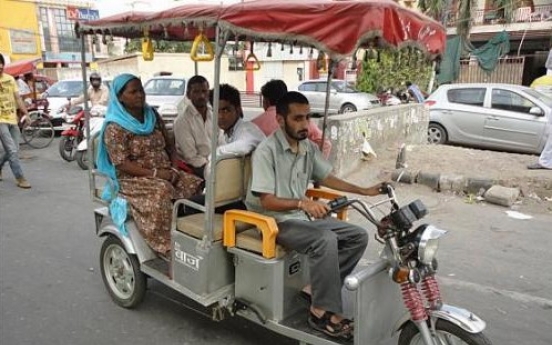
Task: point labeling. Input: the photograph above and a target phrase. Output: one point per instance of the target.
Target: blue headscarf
(117, 113)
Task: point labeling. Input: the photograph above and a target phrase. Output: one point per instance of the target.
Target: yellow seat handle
(202, 39)
(252, 58)
(266, 225)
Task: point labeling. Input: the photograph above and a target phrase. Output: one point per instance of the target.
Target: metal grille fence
(509, 70)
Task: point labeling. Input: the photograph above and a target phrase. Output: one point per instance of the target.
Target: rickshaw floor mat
(299, 322)
(158, 264)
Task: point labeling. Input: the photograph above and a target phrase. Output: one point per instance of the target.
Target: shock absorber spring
(430, 287)
(413, 301)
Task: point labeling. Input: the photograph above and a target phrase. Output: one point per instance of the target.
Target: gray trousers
(333, 247)
(9, 136)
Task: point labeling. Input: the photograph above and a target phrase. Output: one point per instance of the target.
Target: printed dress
(150, 199)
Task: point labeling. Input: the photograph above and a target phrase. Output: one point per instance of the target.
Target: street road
(51, 291)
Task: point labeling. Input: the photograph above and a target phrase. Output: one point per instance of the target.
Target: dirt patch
(507, 169)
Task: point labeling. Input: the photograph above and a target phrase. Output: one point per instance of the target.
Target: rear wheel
(348, 108)
(40, 132)
(121, 274)
(446, 333)
(67, 147)
(436, 134)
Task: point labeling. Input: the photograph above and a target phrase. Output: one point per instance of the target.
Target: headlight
(429, 243)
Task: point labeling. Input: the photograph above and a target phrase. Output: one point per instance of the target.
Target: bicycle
(39, 133)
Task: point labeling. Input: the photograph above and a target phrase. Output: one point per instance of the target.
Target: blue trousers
(9, 136)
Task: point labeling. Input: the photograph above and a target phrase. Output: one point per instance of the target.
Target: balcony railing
(492, 16)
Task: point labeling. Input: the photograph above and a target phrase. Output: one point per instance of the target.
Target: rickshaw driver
(283, 165)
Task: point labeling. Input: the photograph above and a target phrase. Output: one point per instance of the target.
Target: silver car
(343, 97)
(498, 116)
(167, 94)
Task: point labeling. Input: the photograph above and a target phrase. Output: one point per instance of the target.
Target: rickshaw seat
(193, 225)
(262, 240)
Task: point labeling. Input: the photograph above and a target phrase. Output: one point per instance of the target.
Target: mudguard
(462, 318)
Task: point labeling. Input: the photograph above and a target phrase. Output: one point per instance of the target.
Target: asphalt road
(51, 291)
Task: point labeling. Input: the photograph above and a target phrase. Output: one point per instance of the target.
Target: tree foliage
(389, 69)
(135, 45)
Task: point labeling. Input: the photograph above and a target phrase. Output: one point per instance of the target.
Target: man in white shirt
(192, 127)
(237, 137)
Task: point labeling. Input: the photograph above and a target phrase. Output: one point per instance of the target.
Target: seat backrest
(232, 178)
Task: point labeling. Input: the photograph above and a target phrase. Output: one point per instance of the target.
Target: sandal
(343, 329)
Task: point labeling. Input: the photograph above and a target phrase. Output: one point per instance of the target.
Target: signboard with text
(23, 42)
(75, 13)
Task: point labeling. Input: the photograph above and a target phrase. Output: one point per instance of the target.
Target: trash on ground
(518, 215)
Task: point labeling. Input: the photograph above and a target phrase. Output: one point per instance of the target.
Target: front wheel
(446, 333)
(121, 274)
(436, 134)
(347, 108)
(67, 147)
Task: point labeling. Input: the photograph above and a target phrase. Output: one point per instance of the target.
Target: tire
(121, 274)
(82, 159)
(436, 134)
(67, 147)
(40, 132)
(347, 108)
(410, 335)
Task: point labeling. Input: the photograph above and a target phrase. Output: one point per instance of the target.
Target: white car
(344, 98)
(498, 116)
(59, 94)
(167, 95)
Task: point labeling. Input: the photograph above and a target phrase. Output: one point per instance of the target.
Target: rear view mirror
(536, 111)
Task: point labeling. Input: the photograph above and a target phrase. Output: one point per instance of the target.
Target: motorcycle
(72, 136)
(387, 98)
(97, 114)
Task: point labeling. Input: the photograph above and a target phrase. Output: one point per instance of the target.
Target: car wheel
(347, 108)
(436, 134)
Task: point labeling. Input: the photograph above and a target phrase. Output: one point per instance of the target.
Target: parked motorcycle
(97, 114)
(387, 98)
(71, 137)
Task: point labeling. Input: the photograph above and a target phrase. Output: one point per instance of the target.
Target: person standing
(282, 167)
(9, 128)
(192, 127)
(272, 91)
(545, 158)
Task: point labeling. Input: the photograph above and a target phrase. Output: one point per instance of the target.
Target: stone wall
(385, 128)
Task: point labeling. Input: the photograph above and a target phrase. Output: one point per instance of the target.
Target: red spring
(430, 287)
(413, 301)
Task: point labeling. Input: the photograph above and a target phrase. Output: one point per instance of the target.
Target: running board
(158, 269)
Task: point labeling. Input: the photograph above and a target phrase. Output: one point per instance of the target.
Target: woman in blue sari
(136, 153)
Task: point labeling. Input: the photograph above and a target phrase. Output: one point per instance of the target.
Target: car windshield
(165, 87)
(65, 88)
(342, 86)
(540, 96)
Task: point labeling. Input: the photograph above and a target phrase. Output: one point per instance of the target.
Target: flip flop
(324, 324)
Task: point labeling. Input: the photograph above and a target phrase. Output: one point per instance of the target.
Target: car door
(321, 88)
(308, 89)
(464, 116)
(509, 124)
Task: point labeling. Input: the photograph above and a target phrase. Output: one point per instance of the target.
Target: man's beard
(301, 135)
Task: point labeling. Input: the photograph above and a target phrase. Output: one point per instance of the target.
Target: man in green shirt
(283, 166)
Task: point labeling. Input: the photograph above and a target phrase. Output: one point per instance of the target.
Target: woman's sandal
(343, 329)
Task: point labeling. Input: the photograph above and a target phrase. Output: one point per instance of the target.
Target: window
(66, 36)
(43, 15)
(511, 101)
(307, 87)
(475, 96)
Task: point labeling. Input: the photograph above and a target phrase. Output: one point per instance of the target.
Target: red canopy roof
(337, 27)
(21, 67)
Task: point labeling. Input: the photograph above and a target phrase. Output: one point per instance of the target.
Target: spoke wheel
(121, 274)
(40, 132)
(446, 333)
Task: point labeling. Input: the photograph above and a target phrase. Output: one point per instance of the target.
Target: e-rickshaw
(231, 262)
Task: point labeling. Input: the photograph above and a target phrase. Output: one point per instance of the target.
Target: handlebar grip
(337, 203)
(385, 188)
